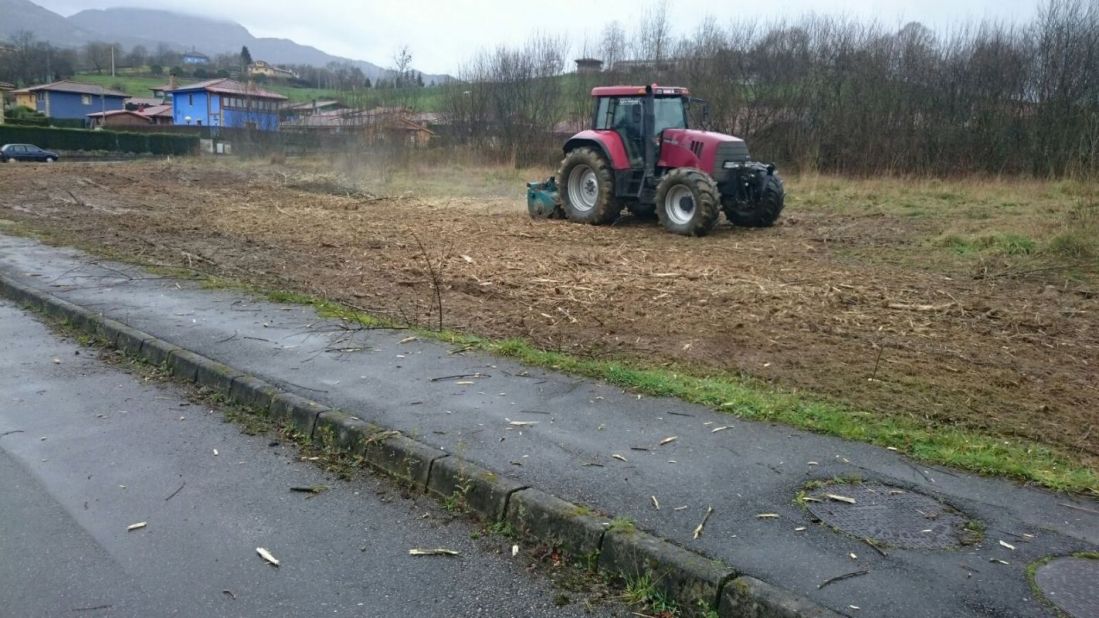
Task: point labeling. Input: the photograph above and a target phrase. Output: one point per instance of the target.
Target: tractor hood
(704, 150)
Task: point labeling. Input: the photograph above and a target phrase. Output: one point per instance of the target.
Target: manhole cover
(889, 515)
(1072, 584)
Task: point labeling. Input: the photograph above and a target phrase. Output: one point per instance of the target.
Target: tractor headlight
(729, 165)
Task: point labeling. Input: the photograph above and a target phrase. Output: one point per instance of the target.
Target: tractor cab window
(618, 114)
(623, 114)
(669, 113)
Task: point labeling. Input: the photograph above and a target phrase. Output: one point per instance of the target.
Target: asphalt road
(87, 449)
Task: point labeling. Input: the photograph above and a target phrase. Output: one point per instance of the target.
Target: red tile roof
(68, 86)
(229, 86)
(156, 110)
(117, 112)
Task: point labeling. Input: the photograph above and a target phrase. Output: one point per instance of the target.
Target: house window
(190, 99)
(85, 99)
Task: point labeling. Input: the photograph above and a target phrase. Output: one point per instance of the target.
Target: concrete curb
(697, 583)
(472, 487)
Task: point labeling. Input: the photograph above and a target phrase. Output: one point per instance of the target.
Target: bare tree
(402, 61)
(613, 45)
(655, 34)
(826, 93)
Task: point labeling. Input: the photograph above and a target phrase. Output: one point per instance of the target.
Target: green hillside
(421, 99)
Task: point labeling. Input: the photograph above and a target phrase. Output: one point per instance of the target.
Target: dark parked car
(26, 152)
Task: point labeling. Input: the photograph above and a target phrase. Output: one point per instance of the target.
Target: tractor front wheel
(587, 188)
(687, 202)
(762, 212)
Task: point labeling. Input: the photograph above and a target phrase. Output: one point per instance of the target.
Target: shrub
(79, 139)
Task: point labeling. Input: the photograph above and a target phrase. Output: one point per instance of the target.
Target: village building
(309, 108)
(194, 57)
(66, 99)
(225, 103)
(589, 65)
(389, 125)
(117, 118)
(158, 114)
(270, 71)
(4, 87)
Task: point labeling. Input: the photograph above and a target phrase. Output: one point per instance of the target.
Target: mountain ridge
(180, 31)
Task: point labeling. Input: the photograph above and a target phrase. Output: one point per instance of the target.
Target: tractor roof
(633, 91)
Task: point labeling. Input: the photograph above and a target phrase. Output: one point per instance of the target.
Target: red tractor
(640, 155)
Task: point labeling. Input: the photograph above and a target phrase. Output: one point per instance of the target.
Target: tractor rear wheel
(687, 202)
(761, 213)
(587, 188)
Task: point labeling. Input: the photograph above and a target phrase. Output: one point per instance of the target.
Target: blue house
(67, 99)
(225, 103)
(194, 57)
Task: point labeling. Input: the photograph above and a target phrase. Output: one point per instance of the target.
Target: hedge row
(29, 121)
(79, 139)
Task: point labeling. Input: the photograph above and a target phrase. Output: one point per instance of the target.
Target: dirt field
(969, 303)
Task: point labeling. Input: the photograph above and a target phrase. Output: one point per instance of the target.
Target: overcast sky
(443, 33)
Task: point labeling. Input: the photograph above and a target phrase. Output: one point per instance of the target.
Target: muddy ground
(859, 305)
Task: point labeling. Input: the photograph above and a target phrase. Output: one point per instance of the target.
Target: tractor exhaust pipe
(648, 129)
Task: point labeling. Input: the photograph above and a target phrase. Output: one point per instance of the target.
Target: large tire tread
(766, 212)
(607, 209)
(706, 196)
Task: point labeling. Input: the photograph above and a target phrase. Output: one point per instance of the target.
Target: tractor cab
(624, 110)
(641, 155)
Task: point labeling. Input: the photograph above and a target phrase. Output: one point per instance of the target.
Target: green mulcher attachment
(543, 201)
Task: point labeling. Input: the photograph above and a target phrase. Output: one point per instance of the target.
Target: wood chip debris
(438, 551)
(1007, 545)
(911, 307)
(698, 529)
(656, 503)
(618, 457)
(998, 561)
(668, 440)
(409, 339)
(839, 498)
(215, 452)
(266, 555)
(138, 526)
(722, 428)
(800, 529)
(767, 516)
(310, 489)
(522, 423)
(467, 258)
(514, 551)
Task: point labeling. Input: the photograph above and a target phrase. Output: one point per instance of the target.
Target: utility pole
(112, 60)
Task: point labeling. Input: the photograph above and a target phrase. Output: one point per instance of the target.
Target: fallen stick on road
(840, 578)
